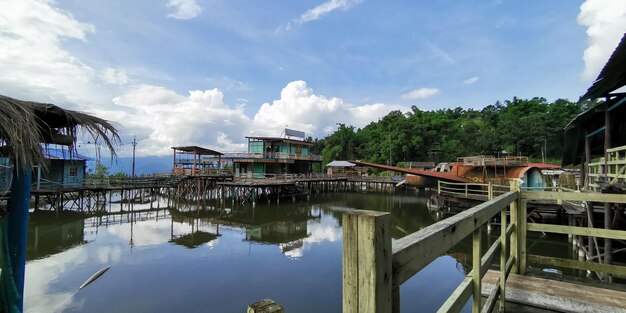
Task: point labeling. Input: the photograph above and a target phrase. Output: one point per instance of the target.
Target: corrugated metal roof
(63, 154)
(340, 164)
(199, 150)
(280, 139)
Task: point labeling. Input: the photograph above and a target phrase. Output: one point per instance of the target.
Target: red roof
(441, 175)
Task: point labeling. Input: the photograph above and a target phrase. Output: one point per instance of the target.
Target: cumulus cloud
(162, 118)
(168, 119)
(32, 58)
(184, 9)
(421, 93)
(302, 109)
(471, 80)
(606, 24)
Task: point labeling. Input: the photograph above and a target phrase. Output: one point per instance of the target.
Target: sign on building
(294, 133)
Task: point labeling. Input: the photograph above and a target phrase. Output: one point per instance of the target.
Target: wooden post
(585, 173)
(476, 290)
(502, 259)
(522, 221)
(366, 262)
(608, 244)
(514, 222)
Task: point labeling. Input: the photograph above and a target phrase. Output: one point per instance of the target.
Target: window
(73, 171)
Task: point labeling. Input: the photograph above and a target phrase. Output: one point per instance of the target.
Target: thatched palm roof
(24, 125)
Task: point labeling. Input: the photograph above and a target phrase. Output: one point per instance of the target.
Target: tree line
(515, 127)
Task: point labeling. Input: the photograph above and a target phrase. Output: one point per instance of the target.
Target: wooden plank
(581, 265)
(476, 265)
(367, 262)
(576, 230)
(503, 274)
(522, 222)
(350, 263)
(415, 251)
(459, 297)
(491, 299)
(574, 196)
(462, 293)
(557, 295)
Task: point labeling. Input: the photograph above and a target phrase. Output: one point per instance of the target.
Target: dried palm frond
(25, 125)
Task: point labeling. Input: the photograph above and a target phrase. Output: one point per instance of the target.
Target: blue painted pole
(17, 226)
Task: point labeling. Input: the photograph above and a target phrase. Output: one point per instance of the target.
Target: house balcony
(271, 156)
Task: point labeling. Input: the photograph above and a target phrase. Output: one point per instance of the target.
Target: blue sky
(209, 72)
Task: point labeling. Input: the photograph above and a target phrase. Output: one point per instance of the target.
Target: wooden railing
(476, 191)
(284, 177)
(272, 155)
(374, 268)
(609, 170)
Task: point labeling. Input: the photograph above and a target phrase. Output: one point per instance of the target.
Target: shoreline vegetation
(514, 127)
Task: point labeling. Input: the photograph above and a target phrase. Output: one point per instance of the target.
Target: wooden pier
(97, 196)
(374, 268)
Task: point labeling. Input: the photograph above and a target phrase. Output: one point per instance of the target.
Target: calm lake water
(207, 258)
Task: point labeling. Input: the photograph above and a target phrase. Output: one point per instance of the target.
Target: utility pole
(390, 150)
(134, 145)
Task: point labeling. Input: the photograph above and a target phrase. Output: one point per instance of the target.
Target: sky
(210, 72)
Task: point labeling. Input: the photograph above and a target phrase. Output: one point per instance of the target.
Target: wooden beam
(477, 275)
(580, 231)
(574, 196)
(575, 264)
(459, 297)
(366, 262)
(415, 251)
(503, 273)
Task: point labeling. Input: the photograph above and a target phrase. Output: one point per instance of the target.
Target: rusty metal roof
(198, 150)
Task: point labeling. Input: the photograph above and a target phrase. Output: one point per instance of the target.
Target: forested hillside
(517, 126)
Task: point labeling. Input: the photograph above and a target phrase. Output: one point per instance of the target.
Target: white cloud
(471, 80)
(184, 9)
(114, 76)
(168, 119)
(162, 118)
(421, 93)
(325, 8)
(302, 109)
(33, 61)
(606, 24)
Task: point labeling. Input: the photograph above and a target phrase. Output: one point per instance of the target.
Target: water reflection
(219, 256)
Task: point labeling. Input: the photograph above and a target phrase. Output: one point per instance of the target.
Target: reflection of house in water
(45, 238)
(287, 234)
(196, 237)
(283, 226)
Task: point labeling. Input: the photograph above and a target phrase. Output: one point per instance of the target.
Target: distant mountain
(143, 165)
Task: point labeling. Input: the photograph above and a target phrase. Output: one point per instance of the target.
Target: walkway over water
(556, 295)
(374, 268)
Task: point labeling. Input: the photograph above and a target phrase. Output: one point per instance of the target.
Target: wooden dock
(374, 268)
(556, 295)
(97, 195)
